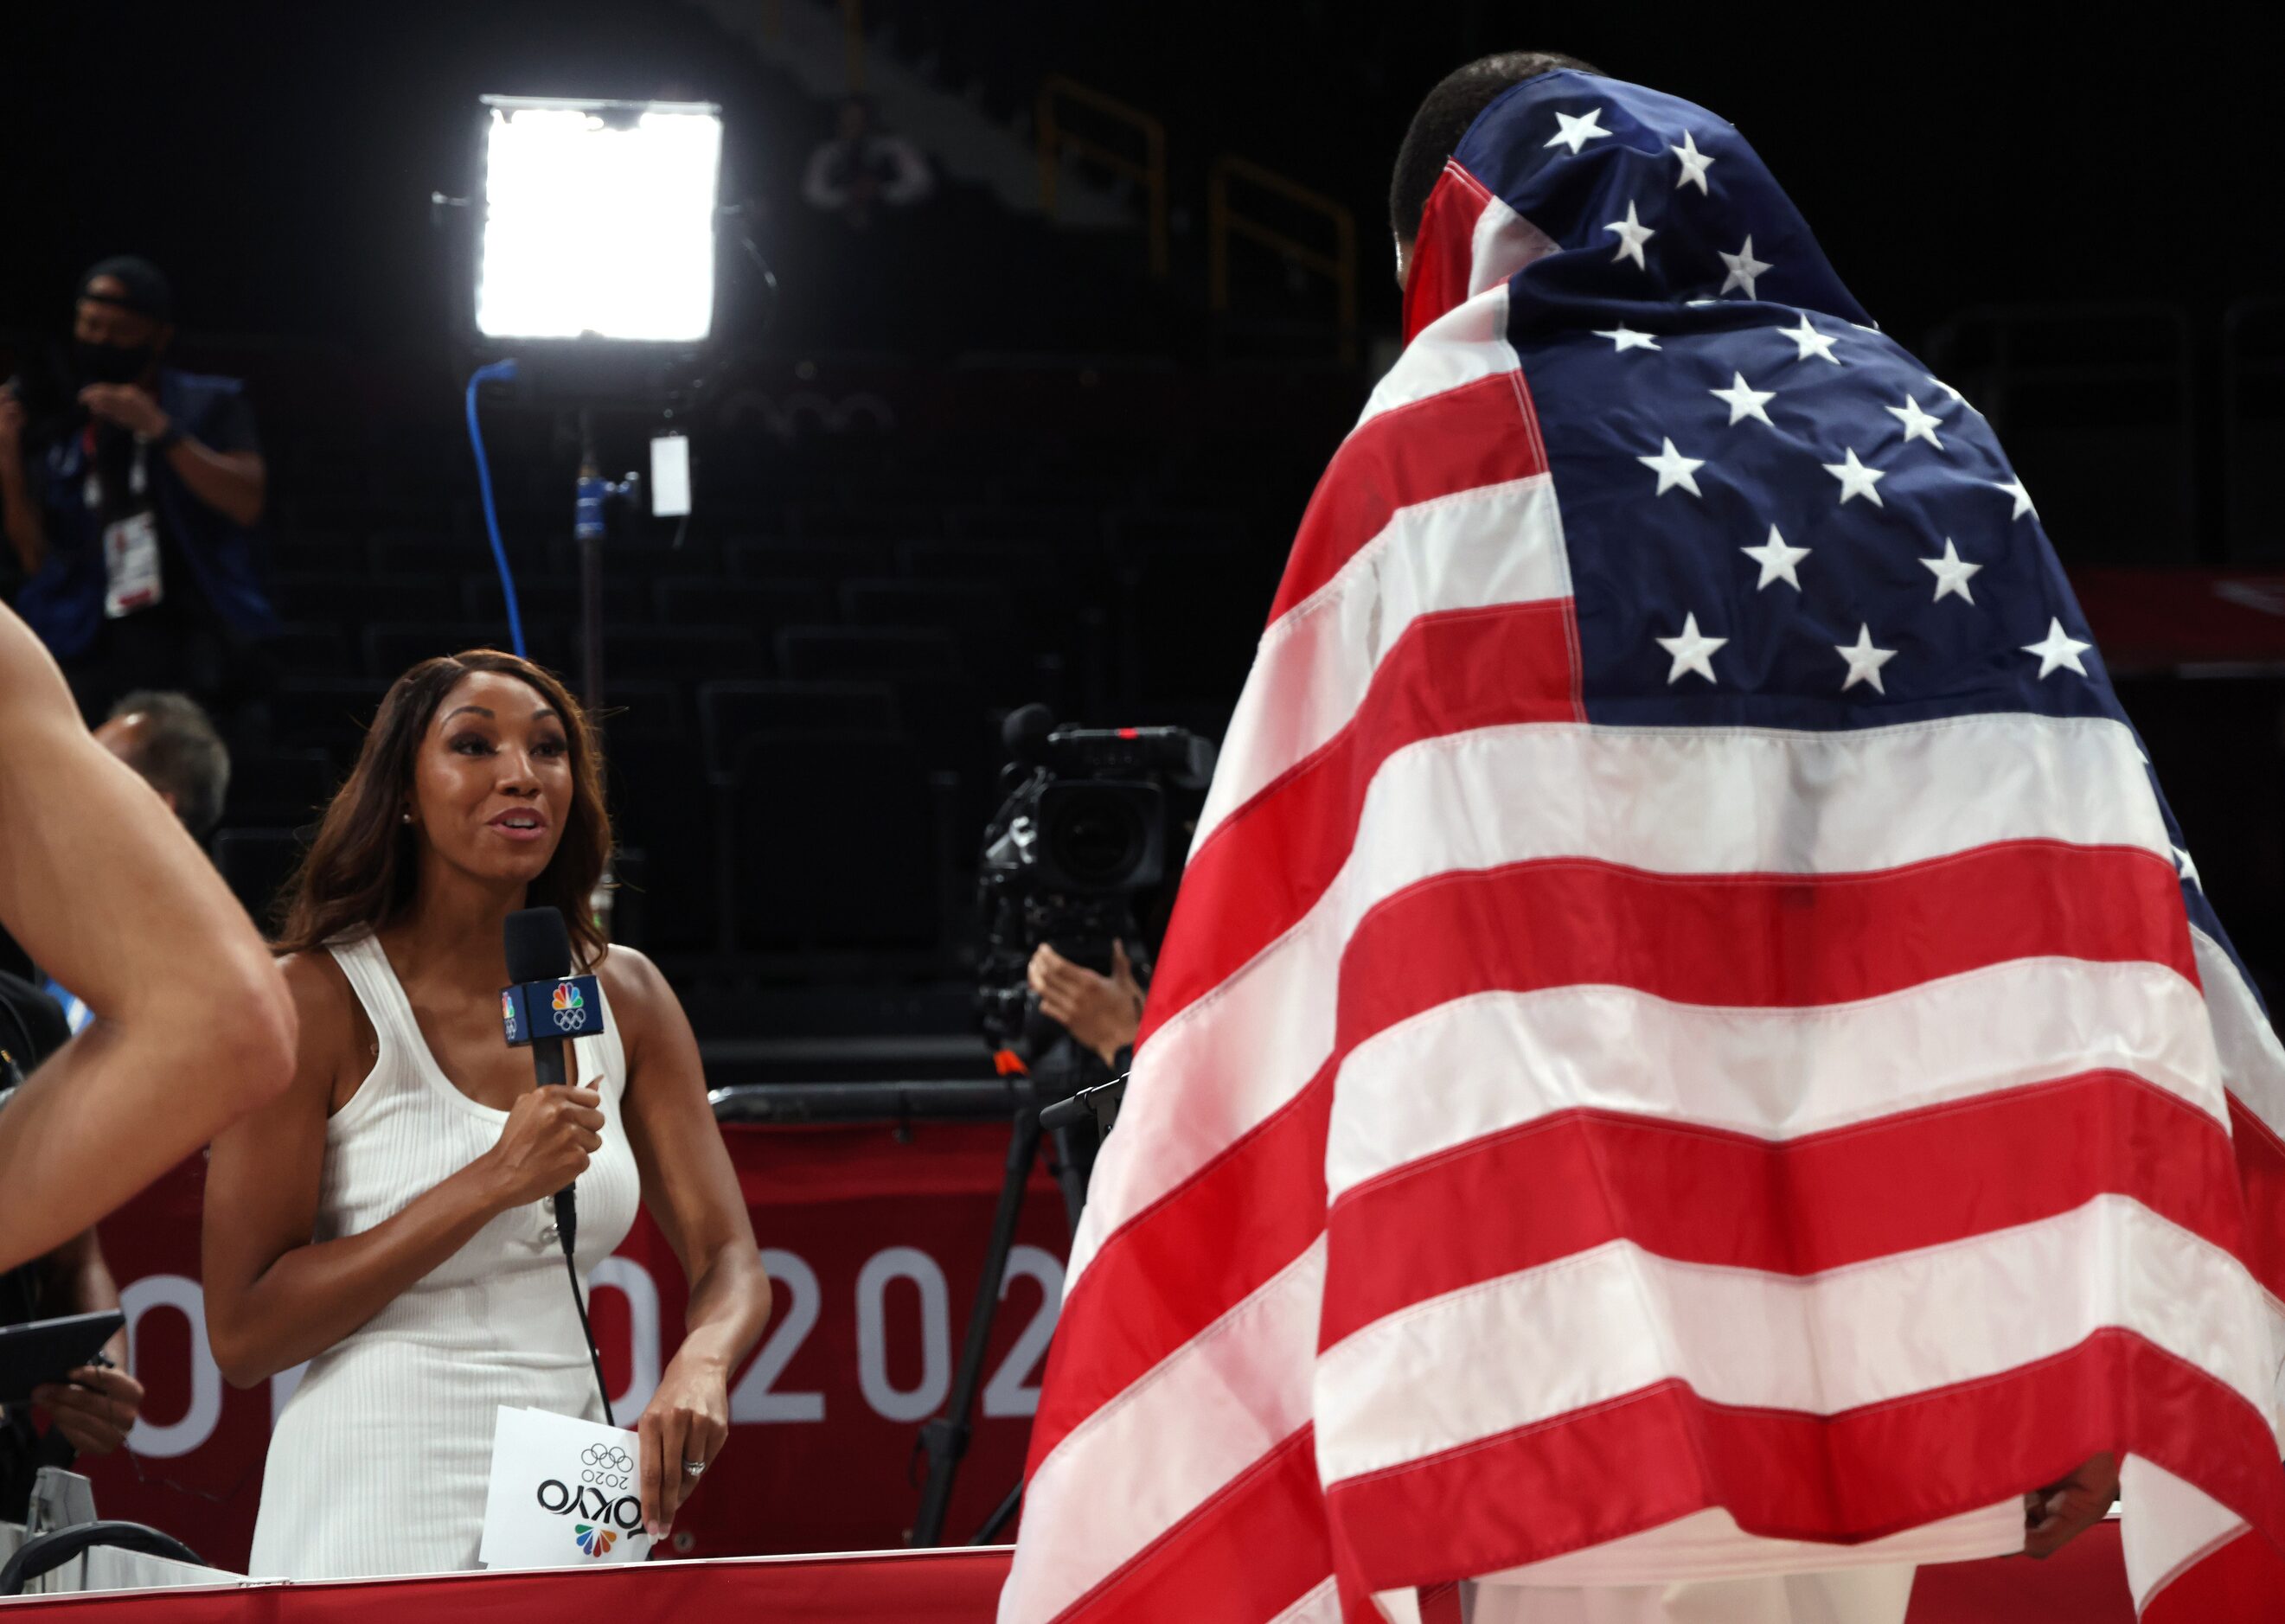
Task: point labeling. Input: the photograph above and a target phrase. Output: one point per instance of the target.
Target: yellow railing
(1148, 170)
(1223, 221)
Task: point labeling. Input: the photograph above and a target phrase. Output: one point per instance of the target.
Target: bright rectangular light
(598, 219)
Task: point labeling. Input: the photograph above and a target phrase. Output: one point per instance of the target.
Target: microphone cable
(579, 1302)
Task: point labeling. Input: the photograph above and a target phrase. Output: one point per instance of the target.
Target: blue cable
(502, 370)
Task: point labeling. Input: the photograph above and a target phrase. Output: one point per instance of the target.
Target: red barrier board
(2084, 1584)
(874, 1235)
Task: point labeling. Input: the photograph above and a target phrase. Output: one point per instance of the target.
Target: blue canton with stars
(1775, 516)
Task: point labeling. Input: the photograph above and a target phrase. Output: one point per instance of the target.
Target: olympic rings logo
(570, 1020)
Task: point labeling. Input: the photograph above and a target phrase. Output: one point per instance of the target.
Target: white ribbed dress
(380, 1461)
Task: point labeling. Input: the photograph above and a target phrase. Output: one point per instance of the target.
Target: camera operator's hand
(127, 404)
(1103, 1012)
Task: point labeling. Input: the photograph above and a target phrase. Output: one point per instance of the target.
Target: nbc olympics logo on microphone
(571, 1009)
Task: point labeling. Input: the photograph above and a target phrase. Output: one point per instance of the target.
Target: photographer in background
(93, 1409)
(131, 514)
(1102, 1013)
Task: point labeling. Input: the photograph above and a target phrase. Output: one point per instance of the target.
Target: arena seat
(729, 713)
(683, 654)
(278, 788)
(836, 839)
(327, 713)
(348, 598)
(312, 648)
(804, 560)
(761, 607)
(255, 865)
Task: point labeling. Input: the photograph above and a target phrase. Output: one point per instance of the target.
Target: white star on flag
(1951, 573)
(1690, 651)
(1856, 479)
(2187, 869)
(1575, 133)
(1776, 561)
(1864, 661)
(1626, 338)
(1633, 234)
(1694, 164)
(1745, 400)
(1919, 425)
(1674, 469)
(1743, 268)
(2015, 488)
(2058, 648)
(1809, 340)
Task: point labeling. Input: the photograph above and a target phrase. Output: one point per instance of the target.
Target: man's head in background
(1459, 99)
(122, 321)
(171, 743)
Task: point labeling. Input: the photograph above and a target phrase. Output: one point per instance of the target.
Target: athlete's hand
(2058, 1514)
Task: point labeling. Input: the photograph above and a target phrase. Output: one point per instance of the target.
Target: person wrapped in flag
(1691, 1071)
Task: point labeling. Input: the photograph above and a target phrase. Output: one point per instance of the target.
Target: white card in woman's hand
(565, 1493)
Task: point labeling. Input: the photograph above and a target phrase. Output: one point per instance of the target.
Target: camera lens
(1098, 837)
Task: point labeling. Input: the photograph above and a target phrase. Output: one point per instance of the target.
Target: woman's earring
(406, 817)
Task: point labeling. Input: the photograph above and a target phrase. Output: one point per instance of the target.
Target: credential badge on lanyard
(130, 545)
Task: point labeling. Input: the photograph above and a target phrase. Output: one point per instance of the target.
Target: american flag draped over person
(1689, 1028)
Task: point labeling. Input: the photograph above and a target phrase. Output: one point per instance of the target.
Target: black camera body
(1086, 829)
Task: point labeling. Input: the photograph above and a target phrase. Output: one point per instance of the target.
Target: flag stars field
(1744, 268)
(1673, 468)
(1633, 234)
(1952, 573)
(1856, 479)
(2058, 650)
(1693, 651)
(1776, 561)
(1864, 661)
(1808, 342)
(1919, 425)
(1694, 165)
(1744, 400)
(1576, 132)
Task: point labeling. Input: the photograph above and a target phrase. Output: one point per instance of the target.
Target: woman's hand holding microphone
(545, 1144)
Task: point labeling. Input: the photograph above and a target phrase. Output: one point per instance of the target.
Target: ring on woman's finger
(691, 1469)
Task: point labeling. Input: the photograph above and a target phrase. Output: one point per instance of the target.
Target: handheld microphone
(539, 950)
(545, 997)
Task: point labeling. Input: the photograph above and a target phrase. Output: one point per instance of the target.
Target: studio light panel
(598, 219)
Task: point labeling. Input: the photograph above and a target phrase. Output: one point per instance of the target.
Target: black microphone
(1024, 734)
(539, 949)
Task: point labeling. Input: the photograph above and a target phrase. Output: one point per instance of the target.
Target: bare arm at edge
(105, 890)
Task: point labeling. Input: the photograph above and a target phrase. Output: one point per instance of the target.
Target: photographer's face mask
(106, 363)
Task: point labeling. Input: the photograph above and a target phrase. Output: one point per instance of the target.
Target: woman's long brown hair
(362, 867)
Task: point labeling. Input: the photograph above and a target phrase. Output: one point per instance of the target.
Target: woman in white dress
(389, 1218)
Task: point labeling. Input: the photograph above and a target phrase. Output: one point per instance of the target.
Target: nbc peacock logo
(593, 1541)
(567, 996)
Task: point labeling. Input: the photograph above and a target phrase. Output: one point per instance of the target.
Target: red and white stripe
(1535, 1142)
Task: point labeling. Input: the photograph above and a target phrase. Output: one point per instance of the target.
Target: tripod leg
(1074, 1165)
(946, 1439)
